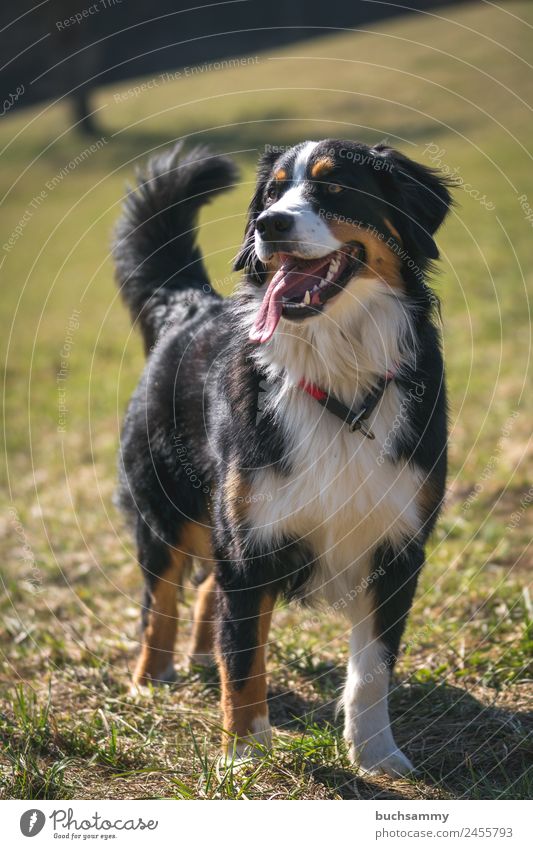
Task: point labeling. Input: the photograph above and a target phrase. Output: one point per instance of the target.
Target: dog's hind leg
(203, 633)
(164, 569)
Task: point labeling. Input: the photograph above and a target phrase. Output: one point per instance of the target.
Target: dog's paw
(254, 745)
(142, 686)
(206, 660)
(168, 676)
(375, 760)
(395, 765)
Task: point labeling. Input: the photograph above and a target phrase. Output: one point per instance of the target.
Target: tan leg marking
(156, 660)
(195, 539)
(203, 631)
(245, 711)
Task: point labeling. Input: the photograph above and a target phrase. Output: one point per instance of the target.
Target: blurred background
(90, 90)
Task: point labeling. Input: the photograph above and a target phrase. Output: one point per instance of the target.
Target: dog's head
(325, 214)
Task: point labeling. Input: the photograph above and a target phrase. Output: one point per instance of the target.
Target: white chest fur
(343, 496)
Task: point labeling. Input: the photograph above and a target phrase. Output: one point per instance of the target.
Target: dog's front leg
(244, 616)
(378, 624)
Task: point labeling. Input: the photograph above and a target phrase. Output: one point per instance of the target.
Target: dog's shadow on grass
(461, 747)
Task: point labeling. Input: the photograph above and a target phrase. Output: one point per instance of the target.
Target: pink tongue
(290, 279)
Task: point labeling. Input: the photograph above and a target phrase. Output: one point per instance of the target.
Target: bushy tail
(155, 250)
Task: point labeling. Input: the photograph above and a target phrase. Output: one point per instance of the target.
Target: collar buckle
(357, 423)
(353, 419)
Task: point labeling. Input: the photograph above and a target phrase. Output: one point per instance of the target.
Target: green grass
(71, 587)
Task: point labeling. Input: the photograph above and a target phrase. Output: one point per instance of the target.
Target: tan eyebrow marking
(393, 230)
(281, 174)
(322, 166)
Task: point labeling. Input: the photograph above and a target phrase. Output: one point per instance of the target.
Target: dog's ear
(247, 258)
(421, 201)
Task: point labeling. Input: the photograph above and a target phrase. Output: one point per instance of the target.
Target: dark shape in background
(49, 53)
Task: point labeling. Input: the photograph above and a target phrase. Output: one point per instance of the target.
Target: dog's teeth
(332, 270)
(307, 298)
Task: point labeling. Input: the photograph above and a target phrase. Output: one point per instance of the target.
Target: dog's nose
(272, 225)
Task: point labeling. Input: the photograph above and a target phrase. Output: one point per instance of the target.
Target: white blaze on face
(310, 236)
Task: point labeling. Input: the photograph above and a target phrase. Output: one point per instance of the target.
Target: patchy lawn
(450, 93)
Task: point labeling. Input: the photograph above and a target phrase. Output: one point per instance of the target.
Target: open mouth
(300, 288)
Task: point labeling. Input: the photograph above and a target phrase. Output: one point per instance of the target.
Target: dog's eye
(272, 192)
(334, 188)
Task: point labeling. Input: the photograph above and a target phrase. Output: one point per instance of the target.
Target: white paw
(372, 760)
(254, 745)
(137, 690)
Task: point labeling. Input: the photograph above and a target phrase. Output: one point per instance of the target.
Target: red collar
(354, 418)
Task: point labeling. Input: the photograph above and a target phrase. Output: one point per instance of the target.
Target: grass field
(450, 92)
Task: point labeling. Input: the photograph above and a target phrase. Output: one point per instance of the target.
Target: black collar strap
(355, 419)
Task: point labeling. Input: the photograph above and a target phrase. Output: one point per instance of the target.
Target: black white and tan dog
(292, 437)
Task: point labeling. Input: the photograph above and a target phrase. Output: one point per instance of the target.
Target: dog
(291, 438)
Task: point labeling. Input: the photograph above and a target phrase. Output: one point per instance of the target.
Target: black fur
(247, 260)
(194, 415)
(156, 255)
(394, 589)
(419, 200)
(244, 580)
